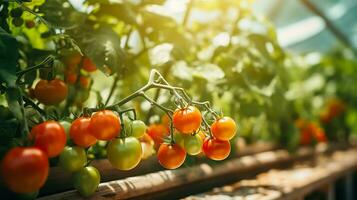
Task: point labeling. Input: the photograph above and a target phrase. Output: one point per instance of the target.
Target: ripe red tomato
(50, 137)
(71, 77)
(158, 132)
(72, 59)
(171, 156)
(224, 128)
(105, 125)
(80, 133)
(216, 149)
(305, 137)
(88, 65)
(84, 81)
(320, 135)
(51, 92)
(187, 120)
(24, 169)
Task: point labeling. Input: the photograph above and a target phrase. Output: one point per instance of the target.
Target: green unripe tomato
(124, 153)
(73, 158)
(179, 139)
(66, 125)
(193, 144)
(17, 21)
(138, 128)
(86, 180)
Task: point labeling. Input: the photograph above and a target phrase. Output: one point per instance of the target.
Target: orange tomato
(158, 132)
(80, 133)
(105, 125)
(147, 145)
(50, 137)
(187, 120)
(224, 128)
(171, 156)
(51, 92)
(165, 120)
(216, 149)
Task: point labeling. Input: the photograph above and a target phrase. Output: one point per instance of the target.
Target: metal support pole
(331, 192)
(349, 186)
(334, 30)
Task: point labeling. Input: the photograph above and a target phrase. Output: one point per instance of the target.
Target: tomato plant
(77, 77)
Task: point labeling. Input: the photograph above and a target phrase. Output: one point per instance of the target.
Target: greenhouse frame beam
(330, 25)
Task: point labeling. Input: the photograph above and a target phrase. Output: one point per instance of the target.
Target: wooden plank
(142, 187)
(288, 184)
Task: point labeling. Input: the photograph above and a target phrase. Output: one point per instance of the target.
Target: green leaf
(9, 55)
(102, 46)
(121, 11)
(210, 72)
(61, 14)
(13, 97)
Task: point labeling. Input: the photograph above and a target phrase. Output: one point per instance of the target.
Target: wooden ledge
(181, 180)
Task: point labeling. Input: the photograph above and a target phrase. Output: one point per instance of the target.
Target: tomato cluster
(310, 131)
(25, 169)
(190, 139)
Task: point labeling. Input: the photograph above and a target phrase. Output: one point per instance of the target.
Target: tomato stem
(156, 80)
(49, 26)
(42, 65)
